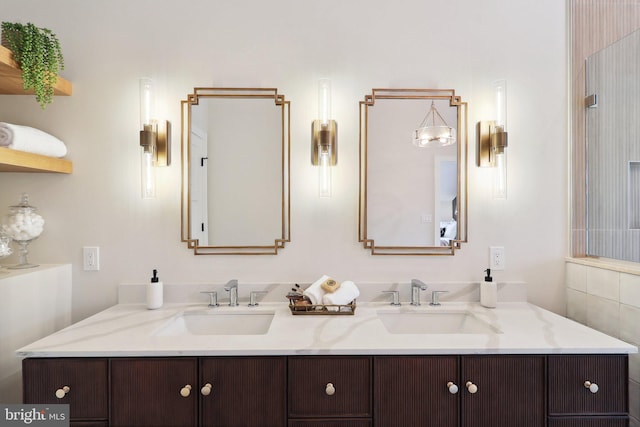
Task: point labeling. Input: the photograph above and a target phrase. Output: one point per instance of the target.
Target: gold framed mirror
(235, 171)
(413, 178)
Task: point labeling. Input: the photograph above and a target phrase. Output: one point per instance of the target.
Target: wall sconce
(492, 142)
(434, 131)
(155, 140)
(324, 139)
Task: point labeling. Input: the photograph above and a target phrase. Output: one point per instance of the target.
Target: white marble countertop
(131, 330)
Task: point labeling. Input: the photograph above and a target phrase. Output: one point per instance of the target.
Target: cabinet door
(310, 395)
(589, 422)
(510, 391)
(568, 395)
(245, 392)
(145, 392)
(413, 392)
(329, 422)
(86, 379)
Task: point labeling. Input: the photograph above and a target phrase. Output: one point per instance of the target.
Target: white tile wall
(630, 323)
(634, 367)
(577, 306)
(603, 283)
(630, 289)
(576, 276)
(603, 315)
(634, 399)
(609, 301)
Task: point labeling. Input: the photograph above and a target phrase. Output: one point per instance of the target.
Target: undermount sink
(216, 323)
(434, 322)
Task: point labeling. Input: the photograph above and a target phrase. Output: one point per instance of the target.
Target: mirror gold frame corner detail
(243, 171)
(394, 174)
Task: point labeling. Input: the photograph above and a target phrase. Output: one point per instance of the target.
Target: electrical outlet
(496, 258)
(426, 218)
(91, 258)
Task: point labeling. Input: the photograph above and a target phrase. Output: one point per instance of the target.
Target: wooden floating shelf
(11, 78)
(21, 161)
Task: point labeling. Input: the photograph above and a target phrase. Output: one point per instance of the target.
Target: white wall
(289, 44)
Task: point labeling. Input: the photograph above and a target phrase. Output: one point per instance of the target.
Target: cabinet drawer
(589, 422)
(86, 379)
(331, 422)
(308, 378)
(568, 395)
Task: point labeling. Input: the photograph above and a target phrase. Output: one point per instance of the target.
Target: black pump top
(154, 279)
(487, 278)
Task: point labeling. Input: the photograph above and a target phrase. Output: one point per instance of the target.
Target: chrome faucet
(213, 298)
(252, 297)
(396, 297)
(232, 288)
(435, 297)
(416, 287)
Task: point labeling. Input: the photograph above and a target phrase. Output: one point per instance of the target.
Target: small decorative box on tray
(298, 305)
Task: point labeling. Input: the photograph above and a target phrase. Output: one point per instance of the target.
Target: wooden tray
(324, 309)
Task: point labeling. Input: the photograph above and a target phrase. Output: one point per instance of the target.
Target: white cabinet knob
(453, 389)
(593, 387)
(471, 387)
(62, 392)
(330, 390)
(185, 391)
(206, 390)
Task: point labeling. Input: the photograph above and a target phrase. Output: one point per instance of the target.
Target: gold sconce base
(491, 140)
(324, 139)
(157, 137)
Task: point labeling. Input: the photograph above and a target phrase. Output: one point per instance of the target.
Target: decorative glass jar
(23, 225)
(5, 249)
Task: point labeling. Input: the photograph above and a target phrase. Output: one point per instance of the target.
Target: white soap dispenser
(488, 291)
(154, 292)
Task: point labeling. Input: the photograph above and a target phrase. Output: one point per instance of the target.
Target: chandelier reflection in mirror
(412, 201)
(434, 131)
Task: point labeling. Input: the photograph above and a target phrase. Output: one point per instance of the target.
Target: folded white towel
(347, 292)
(32, 140)
(315, 292)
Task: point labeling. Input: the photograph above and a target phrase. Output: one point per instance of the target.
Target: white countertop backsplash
(129, 293)
(129, 329)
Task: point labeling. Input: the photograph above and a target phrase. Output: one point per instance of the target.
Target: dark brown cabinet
(412, 391)
(330, 422)
(81, 383)
(336, 391)
(425, 391)
(588, 390)
(589, 422)
(209, 392)
(150, 392)
(509, 391)
(322, 389)
(245, 392)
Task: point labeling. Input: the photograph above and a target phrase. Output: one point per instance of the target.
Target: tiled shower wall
(604, 297)
(609, 301)
(595, 24)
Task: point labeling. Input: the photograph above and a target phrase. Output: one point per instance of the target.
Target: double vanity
(456, 364)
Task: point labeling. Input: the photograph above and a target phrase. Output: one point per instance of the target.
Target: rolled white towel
(32, 140)
(315, 292)
(347, 292)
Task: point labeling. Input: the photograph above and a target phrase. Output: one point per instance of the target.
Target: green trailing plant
(37, 51)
